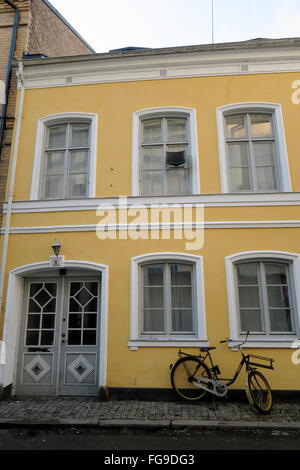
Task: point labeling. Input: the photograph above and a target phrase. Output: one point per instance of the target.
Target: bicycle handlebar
(228, 340)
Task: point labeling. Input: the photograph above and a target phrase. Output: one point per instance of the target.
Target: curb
(153, 424)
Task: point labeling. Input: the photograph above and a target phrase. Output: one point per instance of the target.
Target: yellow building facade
(169, 178)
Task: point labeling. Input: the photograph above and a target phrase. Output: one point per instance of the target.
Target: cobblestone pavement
(67, 410)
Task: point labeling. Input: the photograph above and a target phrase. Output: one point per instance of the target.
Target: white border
(136, 119)
(200, 338)
(258, 341)
(13, 313)
(39, 149)
(284, 173)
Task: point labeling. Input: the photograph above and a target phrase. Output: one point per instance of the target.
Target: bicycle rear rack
(260, 361)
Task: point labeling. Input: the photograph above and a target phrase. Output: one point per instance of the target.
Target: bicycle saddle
(207, 348)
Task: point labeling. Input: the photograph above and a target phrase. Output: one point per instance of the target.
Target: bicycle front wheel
(259, 392)
(184, 376)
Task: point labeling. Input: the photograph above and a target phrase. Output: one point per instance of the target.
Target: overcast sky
(111, 24)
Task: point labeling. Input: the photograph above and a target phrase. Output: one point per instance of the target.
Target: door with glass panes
(59, 350)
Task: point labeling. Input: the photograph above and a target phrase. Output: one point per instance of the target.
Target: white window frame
(262, 340)
(141, 340)
(41, 133)
(284, 179)
(138, 116)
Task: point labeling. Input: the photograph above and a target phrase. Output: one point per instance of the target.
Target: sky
(113, 24)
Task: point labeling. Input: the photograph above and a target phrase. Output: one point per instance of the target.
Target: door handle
(63, 335)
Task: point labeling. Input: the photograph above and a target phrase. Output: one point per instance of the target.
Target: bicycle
(192, 377)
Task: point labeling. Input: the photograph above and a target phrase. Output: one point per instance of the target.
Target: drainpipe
(9, 69)
(10, 196)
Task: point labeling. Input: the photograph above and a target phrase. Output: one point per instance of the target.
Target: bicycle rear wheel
(183, 378)
(259, 392)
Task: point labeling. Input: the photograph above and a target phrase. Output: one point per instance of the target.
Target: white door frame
(13, 313)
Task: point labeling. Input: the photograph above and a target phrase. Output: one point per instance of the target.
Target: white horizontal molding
(206, 200)
(167, 343)
(104, 68)
(263, 343)
(162, 226)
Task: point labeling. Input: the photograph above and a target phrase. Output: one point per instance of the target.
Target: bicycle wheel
(183, 378)
(259, 392)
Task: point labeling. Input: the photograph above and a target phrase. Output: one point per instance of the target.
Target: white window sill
(134, 344)
(264, 343)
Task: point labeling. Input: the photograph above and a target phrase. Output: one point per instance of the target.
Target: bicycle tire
(182, 374)
(259, 392)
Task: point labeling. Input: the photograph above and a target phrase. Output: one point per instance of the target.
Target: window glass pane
(153, 297)
(77, 185)
(47, 337)
(51, 288)
(80, 135)
(153, 158)
(235, 127)
(266, 178)
(75, 320)
(261, 125)
(50, 307)
(182, 321)
(89, 337)
(251, 320)
(177, 129)
(57, 136)
(55, 163)
(74, 306)
(249, 297)
(92, 305)
(264, 153)
(32, 338)
(153, 275)
(54, 186)
(181, 274)
(75, 287)
(154, 321)
(276, 273)
(33, 321)
(238, 155)
(90, 321)
(239, 179)
(34, 288)
(48, 321)
(78, 161)
(247, 273)
(151, 129)
(181, 297)
(281, 320)
(178, 181)
(92, 287)
(74, 337)
(152, 183)
(33, 307)
(278, 296)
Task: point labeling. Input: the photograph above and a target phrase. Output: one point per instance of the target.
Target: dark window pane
(33, 307)
(281, 320)
(34, 288)
(32, 338)
(74, 306)
(48, 321)
(251, 320)
(83, 296)
(47, 337)
(182, 320)
(90, 321)
(51, 306)
(42, 297)
(89, 337)
(154, 320)
(92, 287)
(33, 321)
(75, 321)
(92, 305)
(74, 287)
(180, 274)
(51, 288)
(74, 337)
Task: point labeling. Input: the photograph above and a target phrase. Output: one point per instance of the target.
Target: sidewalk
(89, 412)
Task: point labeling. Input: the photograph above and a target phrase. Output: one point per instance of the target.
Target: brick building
(39, 29)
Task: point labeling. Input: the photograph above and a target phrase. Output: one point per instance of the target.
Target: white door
(59, 350)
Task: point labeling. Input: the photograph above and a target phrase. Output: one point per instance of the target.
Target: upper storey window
(251, 152)
(66, 161)
(252, 149)
(165, 156)
(65, 157)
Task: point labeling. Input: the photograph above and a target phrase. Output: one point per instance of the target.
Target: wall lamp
(56, 246)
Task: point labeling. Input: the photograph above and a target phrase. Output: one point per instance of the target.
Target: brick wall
(40, 31)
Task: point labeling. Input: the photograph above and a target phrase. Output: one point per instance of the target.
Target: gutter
(9, 69)
(11, 185)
